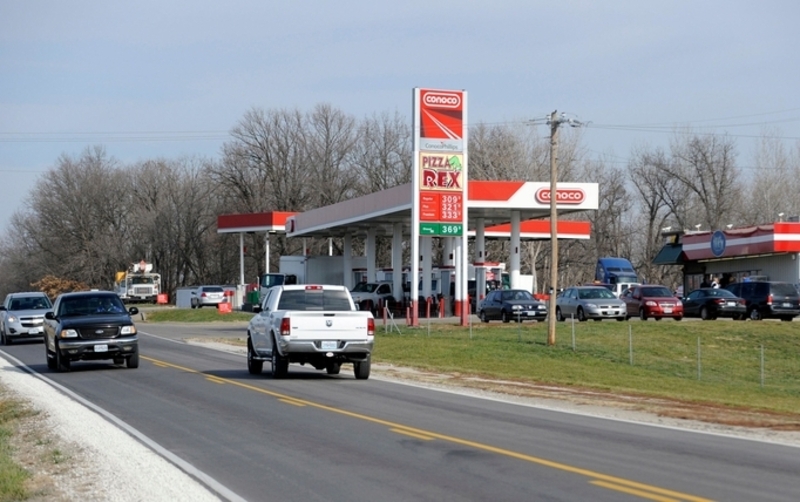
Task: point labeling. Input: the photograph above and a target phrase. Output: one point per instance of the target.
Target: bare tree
(706, 165)
(382, 155)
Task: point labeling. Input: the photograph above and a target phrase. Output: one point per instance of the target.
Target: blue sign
(718, 243)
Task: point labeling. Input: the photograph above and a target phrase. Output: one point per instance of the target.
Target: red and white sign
(441, 114)
(563, 196)
(780, 237)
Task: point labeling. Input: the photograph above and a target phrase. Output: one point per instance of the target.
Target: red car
(650, 300)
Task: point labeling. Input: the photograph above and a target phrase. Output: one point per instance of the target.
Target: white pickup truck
(317, 325)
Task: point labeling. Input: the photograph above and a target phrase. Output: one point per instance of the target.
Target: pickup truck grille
(97, 332)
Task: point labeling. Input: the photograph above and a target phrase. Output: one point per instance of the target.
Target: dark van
(768, 299)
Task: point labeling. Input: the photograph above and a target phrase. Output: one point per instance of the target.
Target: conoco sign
(563, 196)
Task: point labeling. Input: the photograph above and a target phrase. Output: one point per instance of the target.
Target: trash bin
(252, 297)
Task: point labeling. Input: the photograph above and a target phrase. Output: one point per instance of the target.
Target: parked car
(207, 296)
(90, 325)
(710, 303)
(650, 300)
(768, 299)
(589, 302)
(22, 316)
(511, 304)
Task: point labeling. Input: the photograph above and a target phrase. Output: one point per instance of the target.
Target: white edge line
(183, 465)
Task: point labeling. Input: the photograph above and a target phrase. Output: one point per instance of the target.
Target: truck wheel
(62, 363)
(51, 361)
(361, 369)
(333, 368)
(253, 367)
(280, 365)
(133, 360)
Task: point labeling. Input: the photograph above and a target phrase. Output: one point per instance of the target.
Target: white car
(207, 296)
(22, 316)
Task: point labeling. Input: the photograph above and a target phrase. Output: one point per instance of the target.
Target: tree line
(90, 215)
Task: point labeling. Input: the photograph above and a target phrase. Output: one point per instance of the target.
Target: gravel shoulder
(102, 462)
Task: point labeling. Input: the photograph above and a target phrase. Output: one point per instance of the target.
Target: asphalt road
(318, 437)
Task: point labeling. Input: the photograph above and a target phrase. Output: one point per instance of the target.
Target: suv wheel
(755, 314)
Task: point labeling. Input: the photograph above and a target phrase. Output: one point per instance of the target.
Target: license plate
(787, 305)
(101, 348)
(330, 345)
(667, 311)
(731, 304)
(35, 331)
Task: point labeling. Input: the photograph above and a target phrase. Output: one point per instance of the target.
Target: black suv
(90, 325)
(768, 299)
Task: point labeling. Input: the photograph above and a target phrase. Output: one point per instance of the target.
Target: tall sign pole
(439, 182)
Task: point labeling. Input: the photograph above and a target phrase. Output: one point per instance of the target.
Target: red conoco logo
(563, 196)
(442, 100)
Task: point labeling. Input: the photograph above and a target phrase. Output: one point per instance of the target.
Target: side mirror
(49, 315)
(256, 309)
(133, 311)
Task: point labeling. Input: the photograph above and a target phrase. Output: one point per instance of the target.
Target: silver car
(22, 316)
(589, 302)
(207, 296)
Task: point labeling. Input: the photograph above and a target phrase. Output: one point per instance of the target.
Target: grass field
(732, 363)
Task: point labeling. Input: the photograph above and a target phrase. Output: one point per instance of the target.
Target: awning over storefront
(670, 254)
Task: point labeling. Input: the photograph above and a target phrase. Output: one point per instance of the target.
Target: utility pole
(554, 121)
(551, 309)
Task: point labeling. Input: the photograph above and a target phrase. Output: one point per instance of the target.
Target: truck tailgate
(310, 325)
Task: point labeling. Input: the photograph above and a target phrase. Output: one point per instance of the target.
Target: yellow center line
(216, 380)
(418, 436)
(631, 491)
(293, 402)
(464, 442)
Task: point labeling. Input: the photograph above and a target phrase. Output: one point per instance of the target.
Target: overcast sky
(170, 78)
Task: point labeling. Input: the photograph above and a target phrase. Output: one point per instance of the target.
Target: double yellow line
(642, 490)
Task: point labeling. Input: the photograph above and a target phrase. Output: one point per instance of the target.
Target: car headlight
(11, 318)
(591, 305)
(128, 330)
(68, 333)
(516, 307)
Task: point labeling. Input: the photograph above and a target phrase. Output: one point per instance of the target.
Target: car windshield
(516, 294)
(720, 293)
(29, 303)
(91, 305)
(657, 292)
(595, 293)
